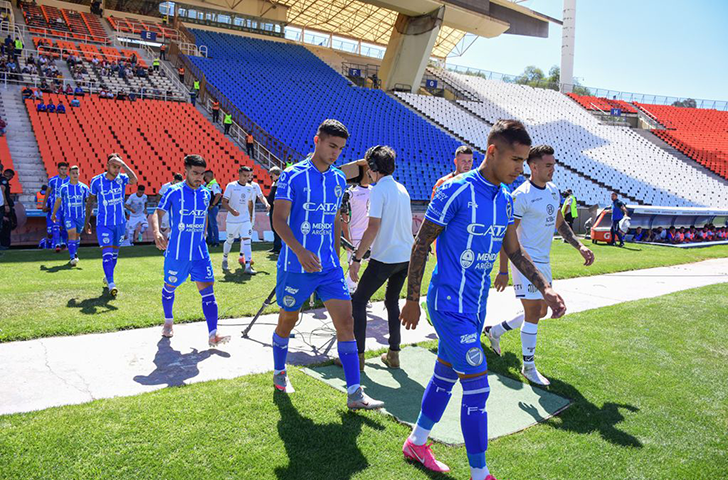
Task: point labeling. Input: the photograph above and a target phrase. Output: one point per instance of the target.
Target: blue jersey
(475, 214)
(73, 200)
(54, 185)
(617, 213)
(187, 210)
(315, 201)
(110, 195)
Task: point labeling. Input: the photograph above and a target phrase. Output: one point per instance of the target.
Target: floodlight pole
(567, 46)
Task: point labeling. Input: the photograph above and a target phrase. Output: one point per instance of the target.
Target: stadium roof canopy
(372, 21)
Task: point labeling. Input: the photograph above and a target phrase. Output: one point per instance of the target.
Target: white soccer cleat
(533, 376)
(361, 401)
(249, 270)
(217, 340)
(74, 262)
(225, 267)
(494, 341)
(282, 383)
(113, 291)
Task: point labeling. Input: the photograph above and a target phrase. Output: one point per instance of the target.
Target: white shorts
(239, 230)
(524, 288)
(134, 222)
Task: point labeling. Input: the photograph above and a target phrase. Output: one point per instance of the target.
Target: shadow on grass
(318, 450)
(237, 276)
(58, 268)
(93, 306)
(582, 416)
(175, 367)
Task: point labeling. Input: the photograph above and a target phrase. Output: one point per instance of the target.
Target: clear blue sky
(665, 47)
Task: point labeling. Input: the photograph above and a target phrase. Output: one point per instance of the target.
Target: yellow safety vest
(228, 119)
(574, 212)
(197, 85)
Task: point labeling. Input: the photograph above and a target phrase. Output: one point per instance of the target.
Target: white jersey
(138, 204)
(359, 200)
(239, 196)
(537, 209)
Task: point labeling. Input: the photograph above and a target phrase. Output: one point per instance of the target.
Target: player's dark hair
(44, 187)
(538, 152)
(208, 171)
(195, 161)
(463, 149)
(244, 168)
(113, 156)
(62, 164)
(510, 132)
(332, 128)
(141, 187)
(177, 177)
(381, 159)
(10, 171)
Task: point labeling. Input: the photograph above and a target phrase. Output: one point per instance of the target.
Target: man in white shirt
(164, 224)
(536, 213)
(389, 234)
(238, 201)
(136, 204)
(358, 220)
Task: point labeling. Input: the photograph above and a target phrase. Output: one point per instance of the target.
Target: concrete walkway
(49, 372)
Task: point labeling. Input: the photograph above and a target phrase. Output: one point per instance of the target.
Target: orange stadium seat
(152, 135)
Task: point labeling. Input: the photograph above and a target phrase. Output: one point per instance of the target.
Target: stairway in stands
(23, 146)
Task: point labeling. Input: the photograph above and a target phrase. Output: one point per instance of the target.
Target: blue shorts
(74, 222)
(177, 271)
(50, 223)
(459, 339)
(293, 289)
(110, 235)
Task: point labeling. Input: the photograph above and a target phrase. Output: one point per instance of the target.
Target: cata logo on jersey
(326, 208)
(480, 230)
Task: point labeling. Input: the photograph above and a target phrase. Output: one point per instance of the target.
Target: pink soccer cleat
(489, 477)
(424, 455)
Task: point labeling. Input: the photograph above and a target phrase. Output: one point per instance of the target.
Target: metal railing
(42, 32)
(649, 98)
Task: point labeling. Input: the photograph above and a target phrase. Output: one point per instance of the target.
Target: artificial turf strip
(46, 297)
(647, 381)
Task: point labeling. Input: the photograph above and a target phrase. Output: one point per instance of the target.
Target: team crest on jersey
(467, 258)
(106, 240)
(509, 209)
(172, 279)
(338, 191)
(289, 301)
(181, 226)
(474, 357)
(118, 180)
(550, 209)
(305, 228)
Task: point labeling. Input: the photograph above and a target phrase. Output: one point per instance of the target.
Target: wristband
(356, 260)
(503, 273)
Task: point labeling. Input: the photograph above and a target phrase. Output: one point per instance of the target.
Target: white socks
(419, 435)
(479, 473)
(507, 325)
(227, 246)
(528, 343)
(247, 250)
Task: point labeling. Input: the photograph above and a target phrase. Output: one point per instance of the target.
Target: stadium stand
(602, 103)
(475, 131)
(7, 162)
(288, 91)
(701, 134)
(615, 156)
(153, 135)
(63, 22)
(136, 26)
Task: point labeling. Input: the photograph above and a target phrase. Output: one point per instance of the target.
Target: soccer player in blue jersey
(55, 228)
(471, 216)
(110, 187)
(307, 219)
(185, 252)
(71, 200)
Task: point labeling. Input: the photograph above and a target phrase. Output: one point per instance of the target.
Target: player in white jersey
(164, 223)
(358, 219)
(238, 201)
(537, 214)
(136, 205)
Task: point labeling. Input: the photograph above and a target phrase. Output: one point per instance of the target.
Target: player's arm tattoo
(418, 260)
(524, 264)
(568, 234)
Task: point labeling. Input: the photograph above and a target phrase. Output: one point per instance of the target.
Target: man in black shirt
(10, 221)
(274, 173)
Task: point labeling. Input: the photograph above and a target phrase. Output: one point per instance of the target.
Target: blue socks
(56, 229)
(280, 351)
(437, 395)
(107, 261)
(167, 302)
(209, 309)
(73, 248)
(474, 419)
(349, 356)
(115, 254)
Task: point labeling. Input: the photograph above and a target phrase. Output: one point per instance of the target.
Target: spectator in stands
(140, 72)
(181, 74)
(41, 107)
(51, 107)
(104, 93)
(155, 65)
(216, 112)
(213, 232)
(18, 48)
(78, 91)
(619, 210)
(27, 92)
(75, 102)
(7, 45)
(132, 95)
(69, 89)
(133, 59)
(680, 234)
(121, 95)
(3, 126)
(227, 123)
(275, 174)
(44, 87)
(61, 108)
(168, 94)
(163, 52)
(38, 94)
(249, 144)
